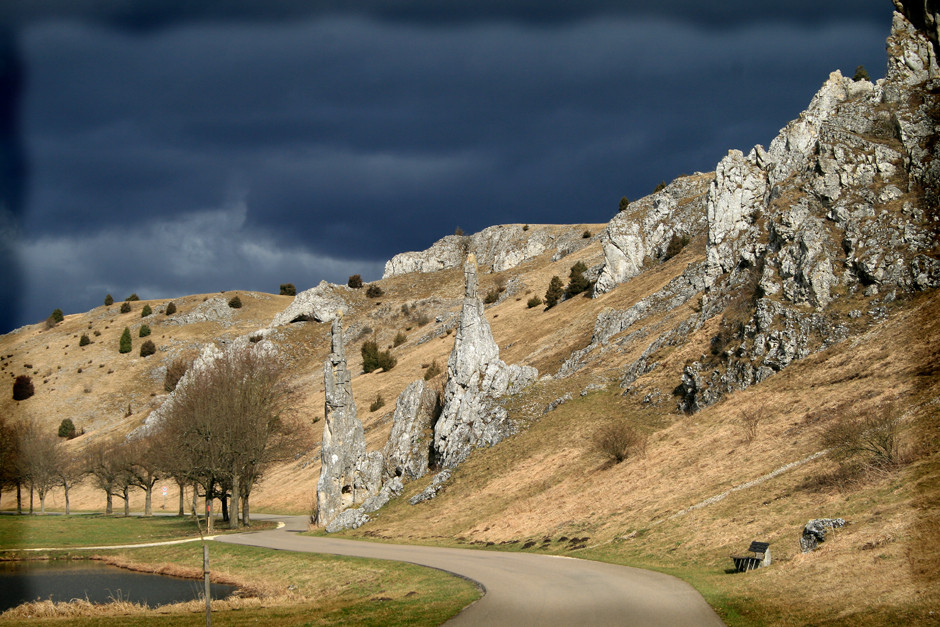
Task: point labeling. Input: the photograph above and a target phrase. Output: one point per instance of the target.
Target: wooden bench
(760, 557)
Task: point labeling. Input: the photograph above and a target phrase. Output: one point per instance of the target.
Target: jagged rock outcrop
(437, 484)
(842, 205)
(499, 247)
(319, 304)
(410, 444)
(347, 474)
(476, 379)
(644, 230)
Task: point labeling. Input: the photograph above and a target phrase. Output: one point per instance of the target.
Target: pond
(63, 581)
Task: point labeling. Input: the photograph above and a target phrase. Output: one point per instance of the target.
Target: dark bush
(125, 307)
(400, 338)
(146, 311)
(375, 291)
(869, 435)
(67, 428)
(422, 319)
(23, 387)
(861, 74)
(108, 300)
(676, 244)
(554, 293)
(660, 187)
(170, 308)
(535, 301)
(378, 403)
(458, 231)
(355, 281)
(577, 282)
(492, 296)
(235, 302)
(432, 371)
(624, 203)
(175, 372)
(132, 297)
(147, 348)
(586, 235)
(57, 315)
(618, 441)
(49, 323)
(288, 289)
(144, 330)
(525, 227)
(374, 359)
(126, 341)
(84, 340)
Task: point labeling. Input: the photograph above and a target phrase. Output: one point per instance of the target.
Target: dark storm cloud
(342, 136)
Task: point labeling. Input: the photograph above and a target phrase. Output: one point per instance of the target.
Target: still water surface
(98, 583)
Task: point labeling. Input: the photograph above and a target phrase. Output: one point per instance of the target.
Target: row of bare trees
(230, 420)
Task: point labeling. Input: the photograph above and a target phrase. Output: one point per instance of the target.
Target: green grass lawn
(30, 532)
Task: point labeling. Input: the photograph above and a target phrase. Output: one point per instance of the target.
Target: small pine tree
(378, 403)
(147, 348)
(144, 330)
(170, 308)
(288, 289)
(556, 290)
(660, 187)
(67, 428)
(373, 359)
(108, 300)
(400, 338)
(85, 340)
(535, 301)
(23, 387)
(57, 315)
(458, 231)
(577, 282)
(861, 74)
(126, 345)
(374, 291)
(355, 281)
(235, 303)
(125, 307)
(132, 297)
(624, 203)
(146, 311)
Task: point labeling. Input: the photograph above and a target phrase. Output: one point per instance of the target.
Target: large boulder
(318, 304)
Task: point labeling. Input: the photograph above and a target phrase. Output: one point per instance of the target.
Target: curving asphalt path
(523, 588)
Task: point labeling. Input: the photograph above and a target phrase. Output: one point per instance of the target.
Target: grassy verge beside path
(30, 532)
(275, 587)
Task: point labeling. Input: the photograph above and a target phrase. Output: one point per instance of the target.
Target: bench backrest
(759, 547)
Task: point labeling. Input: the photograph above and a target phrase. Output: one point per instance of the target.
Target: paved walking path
(523, 588)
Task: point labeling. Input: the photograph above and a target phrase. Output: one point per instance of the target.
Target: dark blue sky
(168, 148)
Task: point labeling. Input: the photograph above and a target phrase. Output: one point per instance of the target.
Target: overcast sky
(168, 149)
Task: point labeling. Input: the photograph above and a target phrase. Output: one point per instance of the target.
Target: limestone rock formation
(476, 379)
(644, 231)
(319, 304)
(814, 532)
(499, 247)
(347, 474)
(842, 205)
(437, 484)
(212, 310)
(409, 448)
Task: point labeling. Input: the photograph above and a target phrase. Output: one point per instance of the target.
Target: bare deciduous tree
(39, 459)
(229, 421)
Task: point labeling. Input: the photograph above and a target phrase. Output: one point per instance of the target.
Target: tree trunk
(148, 500)
(182, 487)
(66, 487)
(42, 501)
(195, 499)
(233, 515)
(30, 498)
(224, 500)
(246, 519)
(127, 504)
(109, 508)
(19, 498)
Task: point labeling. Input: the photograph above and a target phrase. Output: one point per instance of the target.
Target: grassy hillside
(550, 487)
